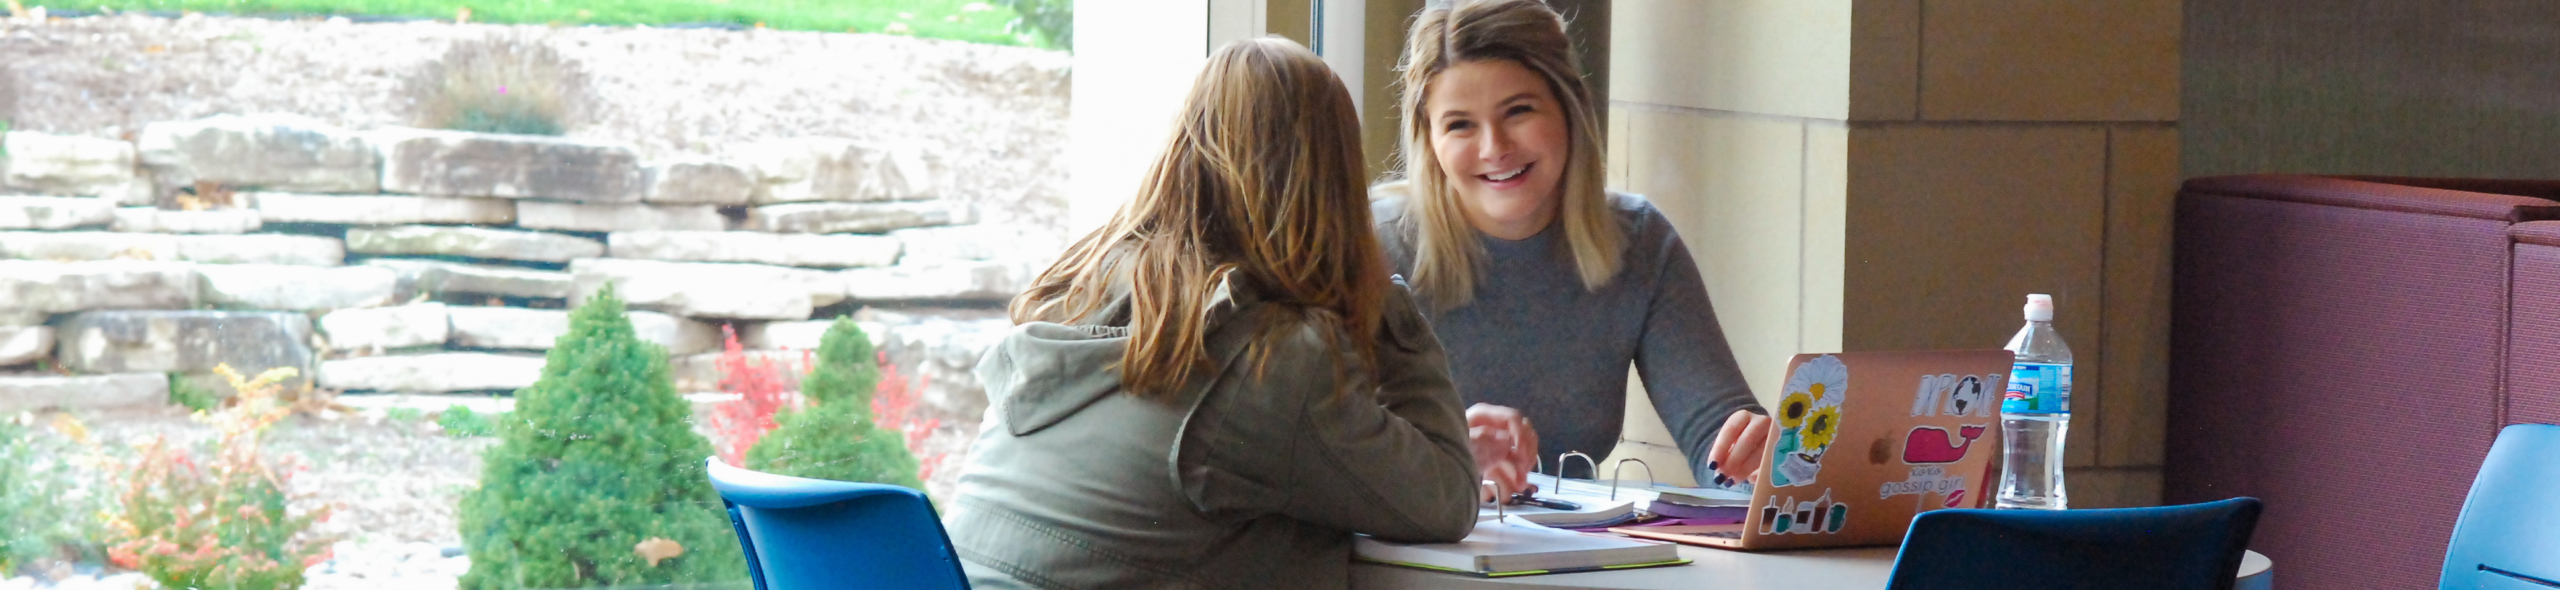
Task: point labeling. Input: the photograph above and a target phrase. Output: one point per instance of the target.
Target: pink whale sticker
(1927, 445)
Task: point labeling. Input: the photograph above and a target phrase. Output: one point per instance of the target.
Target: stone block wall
(398, 260)
(1830, 165)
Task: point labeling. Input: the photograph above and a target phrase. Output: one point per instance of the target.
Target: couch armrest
(2539, 189)
(2540, 233)
(2397, 195)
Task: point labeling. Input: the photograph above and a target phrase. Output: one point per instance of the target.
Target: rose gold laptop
(1862, 442)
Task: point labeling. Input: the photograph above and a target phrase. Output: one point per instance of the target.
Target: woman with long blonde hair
(1544, 285)
(1220, 386)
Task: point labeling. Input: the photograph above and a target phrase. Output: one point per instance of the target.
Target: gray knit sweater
(1535, 339)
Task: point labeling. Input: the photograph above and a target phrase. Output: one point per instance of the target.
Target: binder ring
(1586, 461)
(1617, 475)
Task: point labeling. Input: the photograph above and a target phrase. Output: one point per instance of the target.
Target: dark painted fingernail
(1711, 465)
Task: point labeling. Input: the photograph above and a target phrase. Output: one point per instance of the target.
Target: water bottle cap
(2039, 308)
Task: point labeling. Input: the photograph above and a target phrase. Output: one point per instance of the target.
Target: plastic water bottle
(2035, 412)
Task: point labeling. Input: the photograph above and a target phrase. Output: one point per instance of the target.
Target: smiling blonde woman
(1543, 285)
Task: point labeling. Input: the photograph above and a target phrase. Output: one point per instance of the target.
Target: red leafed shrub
(228, 518)
(758, 382)
(894, 407)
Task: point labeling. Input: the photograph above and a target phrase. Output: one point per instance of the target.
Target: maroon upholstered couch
(2346, 349)
(2533, 349)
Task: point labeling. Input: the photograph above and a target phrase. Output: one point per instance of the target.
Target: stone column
(1899, 174)
(1587, 22)
(1383, 31)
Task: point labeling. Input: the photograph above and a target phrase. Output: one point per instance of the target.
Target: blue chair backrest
(2509, 533)
(811, 534)
(2196, 546)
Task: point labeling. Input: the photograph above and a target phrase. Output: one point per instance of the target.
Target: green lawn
(978, 21)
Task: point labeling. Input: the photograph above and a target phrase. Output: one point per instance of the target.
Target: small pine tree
(836, 437)
(847, 367)
(598, 474)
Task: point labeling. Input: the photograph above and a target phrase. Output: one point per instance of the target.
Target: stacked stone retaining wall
(407, 261)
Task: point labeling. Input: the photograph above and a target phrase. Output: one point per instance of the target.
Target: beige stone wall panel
(1733, 187)
(2039, 60)
(2142, 196)
(1951, 226)
(1780, 57)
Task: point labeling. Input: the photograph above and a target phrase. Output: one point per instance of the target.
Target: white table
(1820, 569)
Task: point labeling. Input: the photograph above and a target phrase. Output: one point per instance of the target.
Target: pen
(1544, 503)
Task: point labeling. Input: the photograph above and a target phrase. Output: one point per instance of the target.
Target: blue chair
(2196, 546)
(808, 534)
(2508, 536)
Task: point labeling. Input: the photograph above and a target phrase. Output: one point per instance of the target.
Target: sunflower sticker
(1809, 419)
(1791, 412)
(1821, 427)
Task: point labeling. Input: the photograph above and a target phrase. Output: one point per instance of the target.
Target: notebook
(1863, 442)
(1685, 506)
(1602, 516)
(1500, 548)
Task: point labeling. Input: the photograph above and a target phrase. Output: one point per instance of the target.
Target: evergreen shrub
(836, 436)
(597, 479)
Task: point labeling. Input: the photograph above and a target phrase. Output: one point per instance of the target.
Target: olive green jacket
(1245, 479)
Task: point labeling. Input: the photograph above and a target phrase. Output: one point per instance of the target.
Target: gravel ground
(391, 481)
(392, 476)
(998, 115)
(394, 485)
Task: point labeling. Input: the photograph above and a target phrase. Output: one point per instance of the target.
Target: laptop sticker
(1785, 515)
(1925, 480)
(1930, 445)
(1956, 395)
(1809, 419)
(1928, 448)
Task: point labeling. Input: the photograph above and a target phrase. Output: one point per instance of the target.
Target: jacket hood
(1046, 372)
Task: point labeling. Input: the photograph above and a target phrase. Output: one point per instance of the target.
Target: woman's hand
(1739, 446)
(1505, 446)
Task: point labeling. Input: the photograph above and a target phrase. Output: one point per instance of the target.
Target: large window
(336, 293)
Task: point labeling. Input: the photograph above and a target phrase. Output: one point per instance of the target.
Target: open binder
(1509, 547)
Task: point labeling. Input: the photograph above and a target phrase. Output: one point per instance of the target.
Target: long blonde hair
(1447, 255)
(1262, 179)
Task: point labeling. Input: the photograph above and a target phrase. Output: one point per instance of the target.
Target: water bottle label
(2038, 388)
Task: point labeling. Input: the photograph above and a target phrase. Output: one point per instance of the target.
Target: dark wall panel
(2396, 87)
